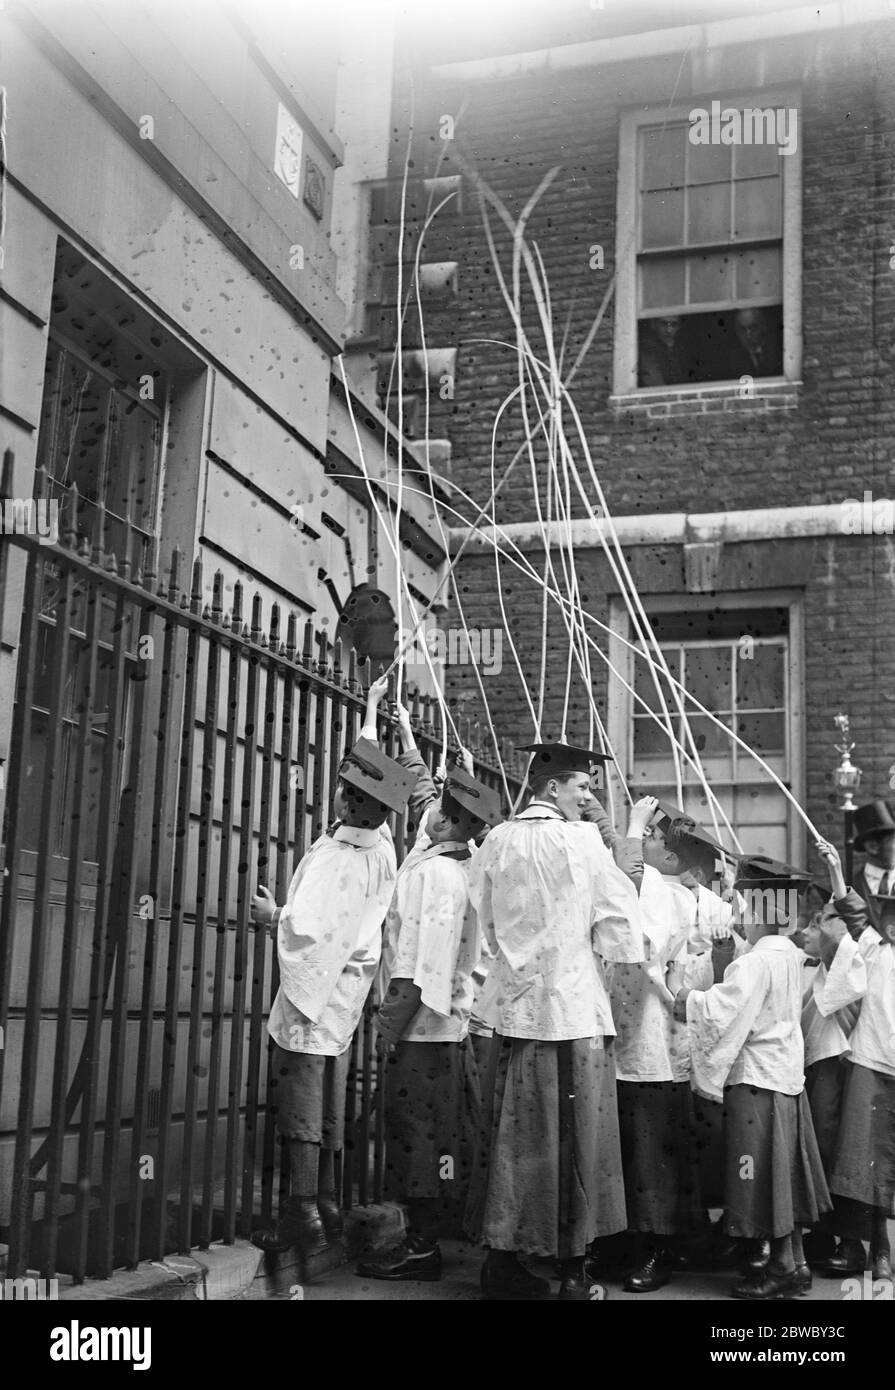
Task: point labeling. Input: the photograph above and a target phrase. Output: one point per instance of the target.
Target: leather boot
(653, 1274)
(767, 1286)
(882, 1265)
(299, 1225)
(331, 1216)
(849, 1259)
(415, 1258)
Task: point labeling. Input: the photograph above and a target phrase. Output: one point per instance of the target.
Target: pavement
(460, 1283)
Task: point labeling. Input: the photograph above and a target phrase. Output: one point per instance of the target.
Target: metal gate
(166, 755)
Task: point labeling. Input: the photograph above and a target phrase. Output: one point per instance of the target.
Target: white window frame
(626, 220)
(620, 702)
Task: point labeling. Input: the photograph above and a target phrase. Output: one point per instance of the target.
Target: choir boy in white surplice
(329, 939)
(746, 1049)
(432, 1099)
(549, 897)
(653, 1071)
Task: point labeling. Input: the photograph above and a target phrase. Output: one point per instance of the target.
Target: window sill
(661, 402)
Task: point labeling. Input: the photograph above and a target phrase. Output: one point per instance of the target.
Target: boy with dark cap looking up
(329, 939)
(432, 1099)
(549, 896)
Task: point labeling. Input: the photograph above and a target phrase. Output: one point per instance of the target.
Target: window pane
(650, 738)
(707, 673)
(708, 163)
(711, 279)
(758, 274)
(763, 732)
(661, 283)
(757, 208)
(760, 679)
(709, 739)
(752, 161)
(662, 219)
(83, 421)
(708, 213)
(662, 157)
(134, 445)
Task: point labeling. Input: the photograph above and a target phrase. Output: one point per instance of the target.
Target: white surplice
(549, 895)
(432, 937)
(329, 939)
(748, 1028)
(824, 992)
(650, 1044)
(873, 1039)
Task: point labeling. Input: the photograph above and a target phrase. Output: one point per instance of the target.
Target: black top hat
(873, 819)
(463, 795)
(758, 871)
(557, 759)
(366, 768)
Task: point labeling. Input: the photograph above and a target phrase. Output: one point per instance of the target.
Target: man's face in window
(752, 330)
(666, 330)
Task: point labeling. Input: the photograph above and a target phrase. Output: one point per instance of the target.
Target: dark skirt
(708, 1149)
(432, 1116)
(864, 1161)
(773, 1175)
(662, 1188)
(824, 1084)
(481, 1050)
(549, 1177)
(307, 1095)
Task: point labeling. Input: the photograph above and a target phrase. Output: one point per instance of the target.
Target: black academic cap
(556, 759)
(462, 794)
(758, 871)
(366, 768)
(665, 814)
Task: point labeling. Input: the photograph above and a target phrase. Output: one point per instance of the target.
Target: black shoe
(758, 1252)
(849, 1259)
(511, 1281)
(331, 1216)
(767, 1286)
(882, 1266)
(300, 1225)
(575, 1289)
(415, 1258)
(803, 1279)
(653, 1274)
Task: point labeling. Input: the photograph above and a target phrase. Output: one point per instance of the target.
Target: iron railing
(165, 756)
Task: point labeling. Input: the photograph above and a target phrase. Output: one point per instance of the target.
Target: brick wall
(829, 441)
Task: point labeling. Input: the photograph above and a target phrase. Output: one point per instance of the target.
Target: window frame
(624, 372)
(620, 703)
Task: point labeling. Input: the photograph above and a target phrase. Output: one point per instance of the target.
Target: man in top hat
(329, 939)
(874, 834)
(432, 1098)
(549, 897)
(746, 1048)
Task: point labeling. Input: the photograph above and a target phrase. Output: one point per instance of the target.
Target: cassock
(652, 1059)
(746, 1048)
(549, 897)
(826, 1033)
(431, 949)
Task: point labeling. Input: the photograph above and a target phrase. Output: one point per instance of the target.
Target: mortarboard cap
(366, 768)
(463, 794)
(665, 814)
(758, 871)
(557, 759)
